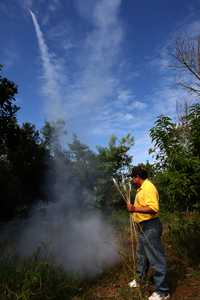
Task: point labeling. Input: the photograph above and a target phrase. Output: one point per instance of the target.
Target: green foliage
(179, 187)
(8, 90)
(22, 168)
(193, 120)
(163, 135)
(8, 110)
(35, 279)
(53, 134)
(185, 237)
(113, 160)
(84, 163)
(177, 165)
(22, 157)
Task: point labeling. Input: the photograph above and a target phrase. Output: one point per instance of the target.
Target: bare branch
(190, 88)
(187, 57)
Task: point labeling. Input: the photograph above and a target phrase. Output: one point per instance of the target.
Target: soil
(187, 288)
(184, 282)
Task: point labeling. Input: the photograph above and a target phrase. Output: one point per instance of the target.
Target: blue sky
(102, 65)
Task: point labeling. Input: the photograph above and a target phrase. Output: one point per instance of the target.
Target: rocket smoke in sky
(77, 238)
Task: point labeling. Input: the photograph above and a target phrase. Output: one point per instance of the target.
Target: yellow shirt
(147, 194)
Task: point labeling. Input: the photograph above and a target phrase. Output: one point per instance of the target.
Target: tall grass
(35, 278)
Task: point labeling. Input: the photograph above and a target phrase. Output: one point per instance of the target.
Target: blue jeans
(151, 252)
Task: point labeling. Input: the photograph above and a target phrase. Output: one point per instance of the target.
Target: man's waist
(139, 217)
(146, 222)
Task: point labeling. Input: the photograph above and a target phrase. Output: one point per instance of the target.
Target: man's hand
(130, 207)
(141, 210)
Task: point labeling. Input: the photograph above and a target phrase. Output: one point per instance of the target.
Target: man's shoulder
(150, 185)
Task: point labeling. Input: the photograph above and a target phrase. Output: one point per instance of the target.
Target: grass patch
(35, 278)
(38, 278)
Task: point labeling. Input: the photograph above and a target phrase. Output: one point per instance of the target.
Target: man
(149, 249)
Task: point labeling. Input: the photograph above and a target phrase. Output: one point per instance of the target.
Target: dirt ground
(113, 285)
(184, 282)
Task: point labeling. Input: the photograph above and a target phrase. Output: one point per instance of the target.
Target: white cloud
(96, 83)
(138, 105)
(128, 117)
(125, 96)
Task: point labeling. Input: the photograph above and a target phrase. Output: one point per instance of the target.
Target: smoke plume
(75, 234)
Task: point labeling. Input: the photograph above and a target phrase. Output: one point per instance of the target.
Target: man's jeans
(150, 251)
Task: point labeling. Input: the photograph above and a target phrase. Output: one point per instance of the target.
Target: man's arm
(142, 209)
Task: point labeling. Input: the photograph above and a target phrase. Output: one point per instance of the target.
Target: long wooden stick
(119, 190)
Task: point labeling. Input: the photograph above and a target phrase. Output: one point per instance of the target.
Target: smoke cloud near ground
(79, 243)
(69, 228)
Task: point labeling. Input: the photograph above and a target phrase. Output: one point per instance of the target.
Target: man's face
(136, 181)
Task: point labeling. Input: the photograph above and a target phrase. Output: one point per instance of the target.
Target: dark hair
(139, 171)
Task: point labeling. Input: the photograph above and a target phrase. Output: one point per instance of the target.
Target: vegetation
(177, 154)
(38, 277)
(35, 278)
(184, 233)
(28, 157)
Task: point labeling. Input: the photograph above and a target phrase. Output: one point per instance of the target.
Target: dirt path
(184, 282)
(113, 285)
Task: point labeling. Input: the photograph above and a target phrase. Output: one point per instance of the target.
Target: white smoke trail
(51, 84)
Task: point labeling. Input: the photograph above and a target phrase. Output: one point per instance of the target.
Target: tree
(22, 157)
(178, 163)
(8, 110)
(8, 90)
(193, 121)
(84, 163)
(164, 139)
(53, 134)
(187, 57)
(114, 161)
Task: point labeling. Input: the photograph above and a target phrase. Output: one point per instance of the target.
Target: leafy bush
(179, 187)
(185, 237)
(177, 166)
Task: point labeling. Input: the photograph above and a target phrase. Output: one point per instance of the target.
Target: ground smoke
(82, 244)
(74, 233)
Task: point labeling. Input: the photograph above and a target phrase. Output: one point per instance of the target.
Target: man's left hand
(130, 207)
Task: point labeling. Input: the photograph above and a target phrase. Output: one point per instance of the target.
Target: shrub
(34, 279)
(185, 237)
